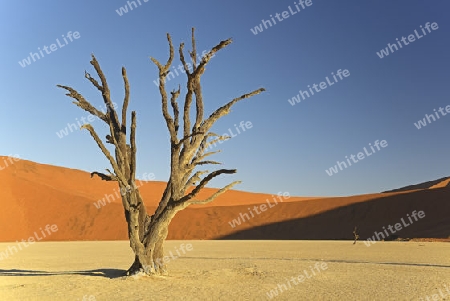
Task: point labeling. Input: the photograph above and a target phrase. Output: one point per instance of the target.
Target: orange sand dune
(34, 195)
(442, 184)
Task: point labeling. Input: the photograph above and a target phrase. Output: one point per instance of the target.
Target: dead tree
(188, 152)
(355, 234)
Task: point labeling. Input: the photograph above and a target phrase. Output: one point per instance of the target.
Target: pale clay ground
(229, 270)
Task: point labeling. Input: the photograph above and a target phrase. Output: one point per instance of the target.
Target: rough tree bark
(148, 233)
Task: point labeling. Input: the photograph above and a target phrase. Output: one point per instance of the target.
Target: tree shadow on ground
(107, 273)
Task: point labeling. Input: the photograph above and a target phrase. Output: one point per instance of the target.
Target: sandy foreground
(230, 270)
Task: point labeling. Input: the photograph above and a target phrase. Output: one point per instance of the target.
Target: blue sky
(289, 147)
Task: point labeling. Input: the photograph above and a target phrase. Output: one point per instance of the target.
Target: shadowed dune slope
(369, 216)
(34, 195)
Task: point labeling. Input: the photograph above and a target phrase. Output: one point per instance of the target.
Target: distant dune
(34, 195)
(442, 182)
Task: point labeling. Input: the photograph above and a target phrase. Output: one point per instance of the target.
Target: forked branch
(215, 195)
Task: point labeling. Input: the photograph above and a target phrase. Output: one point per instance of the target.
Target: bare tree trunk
(150, 258)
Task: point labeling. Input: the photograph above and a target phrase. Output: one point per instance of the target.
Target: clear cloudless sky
(289, 147)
